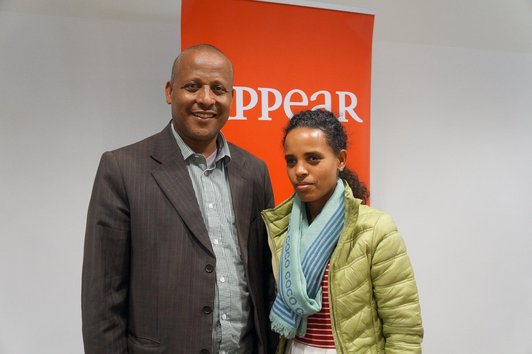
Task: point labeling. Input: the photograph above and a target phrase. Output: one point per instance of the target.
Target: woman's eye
(313, 159)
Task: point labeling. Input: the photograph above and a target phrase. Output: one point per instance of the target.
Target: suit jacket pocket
(139, 345)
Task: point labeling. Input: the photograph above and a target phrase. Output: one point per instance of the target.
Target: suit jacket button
(207, 310)
(204, 351)
(209, 268)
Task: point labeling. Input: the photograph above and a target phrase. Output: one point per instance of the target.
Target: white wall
(450, 161)
(70, 88)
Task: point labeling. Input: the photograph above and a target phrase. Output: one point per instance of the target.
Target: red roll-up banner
(288, 58)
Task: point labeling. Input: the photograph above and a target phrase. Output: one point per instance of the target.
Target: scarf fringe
(286, 332)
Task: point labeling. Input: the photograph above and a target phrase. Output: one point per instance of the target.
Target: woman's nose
(301, 170)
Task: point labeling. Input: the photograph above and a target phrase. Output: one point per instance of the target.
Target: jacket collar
(278, 218)
(174, 180)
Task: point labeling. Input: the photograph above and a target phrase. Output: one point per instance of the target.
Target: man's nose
(205, 96)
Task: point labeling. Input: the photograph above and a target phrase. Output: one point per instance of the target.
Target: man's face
(200, 96)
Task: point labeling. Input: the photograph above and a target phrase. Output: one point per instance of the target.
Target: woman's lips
(302, 187)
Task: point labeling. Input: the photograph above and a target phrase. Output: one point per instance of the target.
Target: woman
(345, 283)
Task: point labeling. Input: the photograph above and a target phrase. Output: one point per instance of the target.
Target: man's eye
(219, 90)
(191, 87)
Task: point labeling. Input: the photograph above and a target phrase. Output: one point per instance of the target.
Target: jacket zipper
(339, 349)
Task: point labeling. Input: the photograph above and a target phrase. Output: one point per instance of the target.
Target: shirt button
(222, 352)
(207, 310)
(215, 241)
(225, 317)
(222, 279)
(209, 268)
(211, 205)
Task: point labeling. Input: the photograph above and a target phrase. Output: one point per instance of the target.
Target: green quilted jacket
(373, 295)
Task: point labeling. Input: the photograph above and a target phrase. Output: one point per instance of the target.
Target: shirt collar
(221, 145)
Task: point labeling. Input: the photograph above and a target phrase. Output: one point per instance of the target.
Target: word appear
(272, 99)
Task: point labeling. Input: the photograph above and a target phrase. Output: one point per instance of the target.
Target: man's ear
(168, 92)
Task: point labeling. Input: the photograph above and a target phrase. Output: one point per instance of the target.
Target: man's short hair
(203, 46)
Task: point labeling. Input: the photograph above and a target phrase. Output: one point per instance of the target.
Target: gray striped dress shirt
(231, 313)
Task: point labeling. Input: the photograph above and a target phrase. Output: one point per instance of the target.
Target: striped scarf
(306, 252)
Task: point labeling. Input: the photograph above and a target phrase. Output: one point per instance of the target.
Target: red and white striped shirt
(319, 329)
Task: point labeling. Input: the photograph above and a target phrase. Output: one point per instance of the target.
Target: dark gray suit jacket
(149, 269)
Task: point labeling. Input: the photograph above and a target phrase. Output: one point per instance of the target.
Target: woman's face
(312, 166)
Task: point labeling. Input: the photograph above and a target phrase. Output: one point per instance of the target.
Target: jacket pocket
(139, 345)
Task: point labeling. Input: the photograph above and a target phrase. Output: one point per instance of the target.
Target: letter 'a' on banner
(287, 58)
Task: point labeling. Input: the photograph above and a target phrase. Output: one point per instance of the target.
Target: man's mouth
(204, 115)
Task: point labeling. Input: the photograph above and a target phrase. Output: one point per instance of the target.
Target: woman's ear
(342, 159)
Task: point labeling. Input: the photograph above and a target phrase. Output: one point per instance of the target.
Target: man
(176, 257)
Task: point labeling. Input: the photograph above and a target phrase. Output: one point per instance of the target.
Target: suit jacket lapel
(242, 197)
(173, 179)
